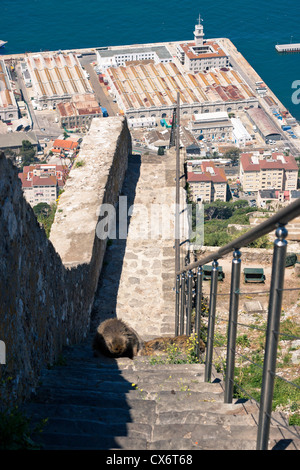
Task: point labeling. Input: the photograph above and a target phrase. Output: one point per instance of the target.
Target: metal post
(274, 312)
(182, 304)
(232, 326)
(199, 278)
(177, 294)
(211, 320)
(189, 302)
(177, 195)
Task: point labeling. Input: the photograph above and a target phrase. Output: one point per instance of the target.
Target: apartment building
(206, 181)
(41, 183)
(264, 171)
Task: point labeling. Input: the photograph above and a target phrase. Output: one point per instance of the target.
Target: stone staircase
(101, 403)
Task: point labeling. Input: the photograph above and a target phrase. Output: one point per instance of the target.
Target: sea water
(255, 27)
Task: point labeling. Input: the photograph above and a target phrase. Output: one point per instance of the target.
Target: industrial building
(79, 112)
(13, 140)
(8, 106)
(215, 126)
(265, 126)
(150, 90)
(240, 134)
(56, 77)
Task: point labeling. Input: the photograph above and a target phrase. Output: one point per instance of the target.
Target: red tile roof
(44, 181)
(217, 50)
(264, 164)
(65, 144)
(217, 177)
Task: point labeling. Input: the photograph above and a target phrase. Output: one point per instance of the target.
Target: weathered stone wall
(47, 286)
(262, 256)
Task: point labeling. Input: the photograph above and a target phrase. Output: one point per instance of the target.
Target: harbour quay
(288, 47)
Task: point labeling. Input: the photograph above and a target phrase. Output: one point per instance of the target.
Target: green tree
(45, 215)
(233, 153)
(27, 153)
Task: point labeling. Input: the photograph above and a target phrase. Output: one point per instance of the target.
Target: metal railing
(189, 292)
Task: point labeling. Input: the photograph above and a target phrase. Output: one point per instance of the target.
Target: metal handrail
(183, 308)
(282, 217)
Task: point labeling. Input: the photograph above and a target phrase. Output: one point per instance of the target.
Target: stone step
(180, 397)
(94, 427)
(214, 432)
(100, 399)
(203, 403)
(249, 418)
(159, 382)
(124, 379)
(142, 412)
(211, 444)
(61, 441)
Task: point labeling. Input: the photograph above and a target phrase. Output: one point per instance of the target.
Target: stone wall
(47, 286)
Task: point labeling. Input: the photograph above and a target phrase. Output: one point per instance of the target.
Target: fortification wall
(47, 286)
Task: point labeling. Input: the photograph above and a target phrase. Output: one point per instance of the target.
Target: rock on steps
(101, 403)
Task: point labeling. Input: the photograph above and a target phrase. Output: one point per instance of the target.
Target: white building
(120, 57)
(215, 126)
(240, 134)
(200, 55)
(142, 122)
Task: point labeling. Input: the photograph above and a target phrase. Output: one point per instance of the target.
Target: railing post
(182, 304)
(274, 312)
(177, 296)
(211, 320)
(199, 278)
(189, 302)
(232, 325)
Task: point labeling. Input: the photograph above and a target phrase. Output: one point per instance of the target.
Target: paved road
(42, 120)
(250, 76)
(100, 94)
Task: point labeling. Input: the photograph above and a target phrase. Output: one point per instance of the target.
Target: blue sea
(255, 27)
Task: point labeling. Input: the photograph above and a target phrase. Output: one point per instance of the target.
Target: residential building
(276, 198)
(41, 183)
(207, 182)
(66, 146)
(259, 171)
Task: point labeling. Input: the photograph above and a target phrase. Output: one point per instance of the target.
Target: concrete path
(137, 279)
